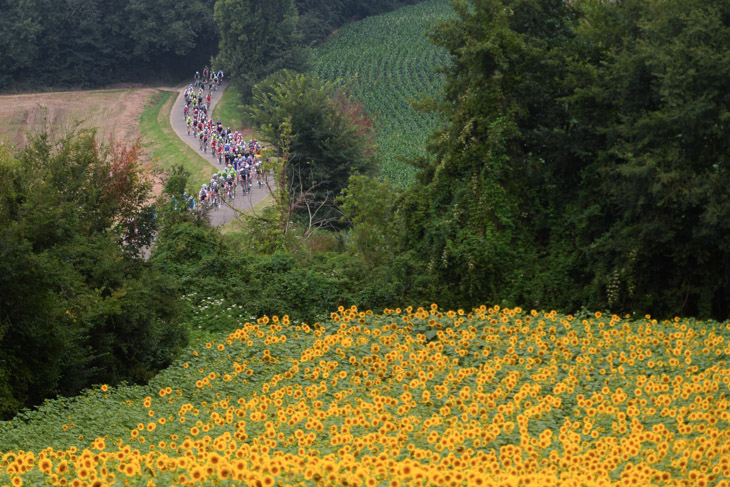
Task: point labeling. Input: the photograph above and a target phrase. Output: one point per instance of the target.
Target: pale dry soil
(114, 113)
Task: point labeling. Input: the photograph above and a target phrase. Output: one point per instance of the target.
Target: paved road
(242, 202)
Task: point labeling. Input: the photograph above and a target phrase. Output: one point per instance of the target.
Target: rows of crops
(387, 61)
(417, 397)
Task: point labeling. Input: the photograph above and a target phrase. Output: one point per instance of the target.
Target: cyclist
(216, 195)
(205, 141)
(227, 151)
(259, 175)
(244, 171)
(203, 194)
(231, 185)
(189, 123)
(225, 189)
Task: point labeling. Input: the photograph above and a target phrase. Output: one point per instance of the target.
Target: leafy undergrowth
(409, 397)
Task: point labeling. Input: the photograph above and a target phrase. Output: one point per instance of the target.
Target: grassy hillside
(408, 397)
(388, 61)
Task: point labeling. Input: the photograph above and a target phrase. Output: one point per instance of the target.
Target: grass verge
(228, 109)
(164, 146)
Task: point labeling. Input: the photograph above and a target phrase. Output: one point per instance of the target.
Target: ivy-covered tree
(583, 158)
(484, 199)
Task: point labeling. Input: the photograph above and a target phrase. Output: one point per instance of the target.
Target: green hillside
(388, 61)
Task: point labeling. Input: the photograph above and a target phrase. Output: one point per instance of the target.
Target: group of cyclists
(239, 160)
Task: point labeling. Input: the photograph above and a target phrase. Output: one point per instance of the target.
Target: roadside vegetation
(228, 110)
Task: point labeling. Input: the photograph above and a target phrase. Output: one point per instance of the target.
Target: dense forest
(73, 43)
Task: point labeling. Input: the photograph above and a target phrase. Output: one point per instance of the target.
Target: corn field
(386, 61)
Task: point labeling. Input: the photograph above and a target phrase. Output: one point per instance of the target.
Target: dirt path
(243, 202)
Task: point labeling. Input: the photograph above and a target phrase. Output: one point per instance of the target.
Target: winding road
(243, 202)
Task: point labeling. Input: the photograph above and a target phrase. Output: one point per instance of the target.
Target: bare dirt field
(114, 113)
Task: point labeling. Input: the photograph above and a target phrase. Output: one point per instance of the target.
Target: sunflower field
(387, 61)
(408, 397)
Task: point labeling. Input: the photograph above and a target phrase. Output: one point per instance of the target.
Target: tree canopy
(92, 42)
(257, 39)
(319, 132)
(583, 157)
(77, 305)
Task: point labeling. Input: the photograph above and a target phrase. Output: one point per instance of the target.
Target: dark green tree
(319, 133)
(500, 168)
(652, 96)
(91, 42)
(582, 160)
(257, 39)
(77, 306)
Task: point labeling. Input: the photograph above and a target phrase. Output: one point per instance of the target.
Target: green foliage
(258, 39)
(369, 205)
(657, 212)
(77, 306)
(209, 266)
(582, 158)
(467, 220)
(387, 62)
(75, 43)
(321, 138)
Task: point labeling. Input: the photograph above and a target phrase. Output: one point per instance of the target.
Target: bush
(77, 304)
